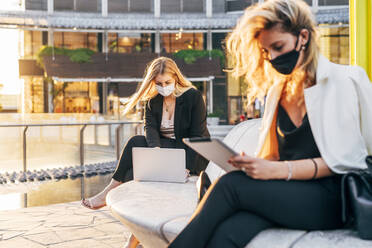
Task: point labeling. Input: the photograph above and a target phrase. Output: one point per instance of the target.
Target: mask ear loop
(297, 42)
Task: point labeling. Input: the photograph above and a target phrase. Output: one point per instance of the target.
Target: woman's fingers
(242, 159)
(248, 166)
(244, 162)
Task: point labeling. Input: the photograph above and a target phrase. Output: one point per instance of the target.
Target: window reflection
(173, 42)
(33, 41)
(78, 5)
(76, 97)
(238, 5)
(334, 43)
(125, 6)
(74, 40)
(129, 42)
(332, 2)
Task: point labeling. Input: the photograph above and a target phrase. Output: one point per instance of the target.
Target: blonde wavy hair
(148, 91)
(246, 56)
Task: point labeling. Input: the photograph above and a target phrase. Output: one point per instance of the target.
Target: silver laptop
(159, 164)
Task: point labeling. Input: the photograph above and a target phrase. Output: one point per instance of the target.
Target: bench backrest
(243, 137)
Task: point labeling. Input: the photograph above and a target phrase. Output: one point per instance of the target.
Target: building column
(209, 40)
(210, 95)
(157, 13)
(105, 42)
(50, 37)
(106, 83)
(209, 8)
(315, 5)
(50, 7)
(104, 8)
(104, 97)
(361, 34)
(49, 83)
(157, 42)
(157, 8)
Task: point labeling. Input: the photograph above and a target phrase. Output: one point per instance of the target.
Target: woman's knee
(137, 140)
(232, 178)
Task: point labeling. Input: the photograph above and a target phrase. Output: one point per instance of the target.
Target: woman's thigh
(136, 141)
(293, 204)
(167, 143)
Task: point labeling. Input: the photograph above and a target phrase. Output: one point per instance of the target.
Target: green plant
(80, 55)
(191, 55)
(213, 115)
(216, 113)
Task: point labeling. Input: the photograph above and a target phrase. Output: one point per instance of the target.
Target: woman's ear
(304, 36)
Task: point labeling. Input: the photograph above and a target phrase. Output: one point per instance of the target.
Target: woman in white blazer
(317, 125)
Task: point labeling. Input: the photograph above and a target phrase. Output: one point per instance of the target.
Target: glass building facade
(229, 94)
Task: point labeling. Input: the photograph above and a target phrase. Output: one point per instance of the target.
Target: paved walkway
(58, 226)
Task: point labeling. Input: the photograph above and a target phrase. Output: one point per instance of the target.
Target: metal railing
(81, 137)
(81, 141)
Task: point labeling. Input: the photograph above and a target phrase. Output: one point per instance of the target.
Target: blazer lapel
(158, 108)
(273, 96)
(178, 111)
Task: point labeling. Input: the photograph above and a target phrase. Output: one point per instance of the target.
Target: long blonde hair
(148, 91)
(246, 56)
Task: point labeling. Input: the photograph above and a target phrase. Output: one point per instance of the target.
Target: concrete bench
(156, 212)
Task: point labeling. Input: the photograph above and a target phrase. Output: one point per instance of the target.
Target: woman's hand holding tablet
(214, 150)
(257, 168)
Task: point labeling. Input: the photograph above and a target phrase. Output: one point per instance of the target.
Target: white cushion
(334, 238)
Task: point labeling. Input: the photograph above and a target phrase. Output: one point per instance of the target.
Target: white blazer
(339, 108)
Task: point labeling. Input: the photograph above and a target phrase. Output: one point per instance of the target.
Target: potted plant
(214, 118)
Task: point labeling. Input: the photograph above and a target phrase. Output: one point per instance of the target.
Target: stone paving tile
(81, 233)
(18, 225)
(86, 243)
(5, 235)
(110, 228)
(46, 238)
(114, 240)
(59, 226)
(62, 221)
(19, 242)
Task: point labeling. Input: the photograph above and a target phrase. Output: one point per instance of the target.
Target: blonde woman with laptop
(174, 110)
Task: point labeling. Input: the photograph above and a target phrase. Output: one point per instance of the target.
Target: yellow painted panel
(361, 34)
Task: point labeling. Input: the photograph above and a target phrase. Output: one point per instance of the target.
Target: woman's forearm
(301, 169)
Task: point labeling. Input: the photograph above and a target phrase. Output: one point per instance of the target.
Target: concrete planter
(213, 121)
(119, 65)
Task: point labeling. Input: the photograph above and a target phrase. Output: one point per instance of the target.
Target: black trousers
(236, 208)
(124, 169)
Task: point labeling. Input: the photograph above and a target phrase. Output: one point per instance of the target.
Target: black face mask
(285, 63)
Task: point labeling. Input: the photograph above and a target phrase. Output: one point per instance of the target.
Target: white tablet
(214, 150)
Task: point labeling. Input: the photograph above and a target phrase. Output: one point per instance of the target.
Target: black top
(294, 143)
(189, 118)
(297, 143)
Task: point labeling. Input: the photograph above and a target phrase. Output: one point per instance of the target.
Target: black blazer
(189, 118)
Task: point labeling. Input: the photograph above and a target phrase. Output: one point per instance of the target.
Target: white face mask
(165, 91)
